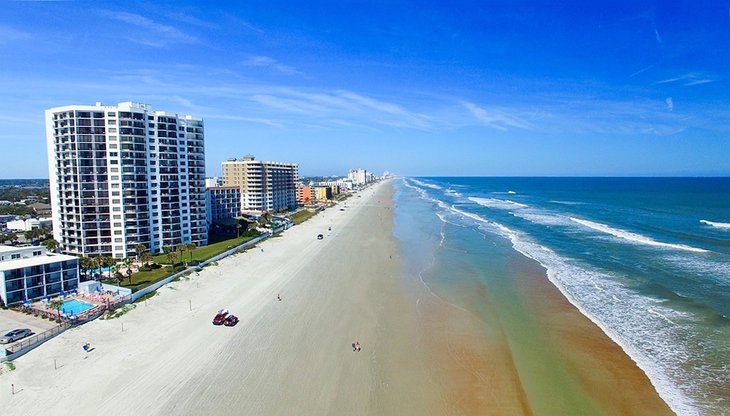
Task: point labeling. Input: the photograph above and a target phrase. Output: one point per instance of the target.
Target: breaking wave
(722, 225)
(497, 203)
(633, 237)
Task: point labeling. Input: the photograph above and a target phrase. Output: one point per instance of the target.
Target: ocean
(646, 259)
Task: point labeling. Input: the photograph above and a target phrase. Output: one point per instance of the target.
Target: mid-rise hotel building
(125, 175)
(32, 273)
(265, 186)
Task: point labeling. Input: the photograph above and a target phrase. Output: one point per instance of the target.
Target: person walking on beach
(357, 346)
(278, 297)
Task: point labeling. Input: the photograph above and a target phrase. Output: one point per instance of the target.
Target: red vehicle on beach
(231, 320)
(220, 318)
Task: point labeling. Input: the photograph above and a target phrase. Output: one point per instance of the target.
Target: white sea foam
(617, 311)
(511, 192)
(722, 225)
(542, 218)
(633, 237)
(567, 202)
(428, 185)
(497, 203)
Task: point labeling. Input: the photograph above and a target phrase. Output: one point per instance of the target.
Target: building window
(37, 253)
(14, 256)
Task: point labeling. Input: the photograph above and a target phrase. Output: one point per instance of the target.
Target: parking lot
(10, 320)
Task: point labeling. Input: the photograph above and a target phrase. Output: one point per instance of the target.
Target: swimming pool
(75, 307)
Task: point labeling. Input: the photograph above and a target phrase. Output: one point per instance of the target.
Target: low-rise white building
(33, 273)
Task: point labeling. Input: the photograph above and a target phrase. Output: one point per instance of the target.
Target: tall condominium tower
(125, 175)
(265, 186)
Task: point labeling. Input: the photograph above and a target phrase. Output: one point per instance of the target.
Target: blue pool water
(75, 307)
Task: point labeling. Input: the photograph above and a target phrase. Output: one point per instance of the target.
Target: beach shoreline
(420, 354)
(540, 352)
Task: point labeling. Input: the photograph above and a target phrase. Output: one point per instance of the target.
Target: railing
(38, 339)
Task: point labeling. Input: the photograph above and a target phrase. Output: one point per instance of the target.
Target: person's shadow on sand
(353, 347)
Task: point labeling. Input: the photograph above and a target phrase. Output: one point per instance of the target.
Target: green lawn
(206, 252)
(301, 216)
(143, 279)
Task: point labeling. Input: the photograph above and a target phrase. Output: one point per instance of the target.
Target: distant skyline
(494, 88)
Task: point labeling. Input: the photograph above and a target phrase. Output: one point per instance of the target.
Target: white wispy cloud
(342, 104)
(670, 103)
(271, 63)
(160, 34)
(689, 79)
(269, 122)
(497, 119)
(9, 34)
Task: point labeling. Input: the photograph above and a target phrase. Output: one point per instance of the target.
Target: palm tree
(181, 249)
(51, 245)
(85, 265)
(106, 261)
(140, 248)
(146, 258)
(94, 264)
(171, 255)
(191, 249)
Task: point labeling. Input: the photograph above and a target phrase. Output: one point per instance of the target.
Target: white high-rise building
(265, 186)
(125, 175)
(358, 176)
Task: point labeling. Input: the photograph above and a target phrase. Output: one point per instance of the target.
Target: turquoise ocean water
(646, 259)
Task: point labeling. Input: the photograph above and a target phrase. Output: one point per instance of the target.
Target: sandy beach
(284, 357)
(420, 354)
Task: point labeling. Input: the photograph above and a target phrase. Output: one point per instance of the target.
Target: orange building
(305, 196)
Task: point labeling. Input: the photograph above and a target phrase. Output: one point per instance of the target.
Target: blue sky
(509, 88)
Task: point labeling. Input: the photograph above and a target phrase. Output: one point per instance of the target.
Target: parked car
(15, 335)
(220, 318)
(231, 320)
(320, 236)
